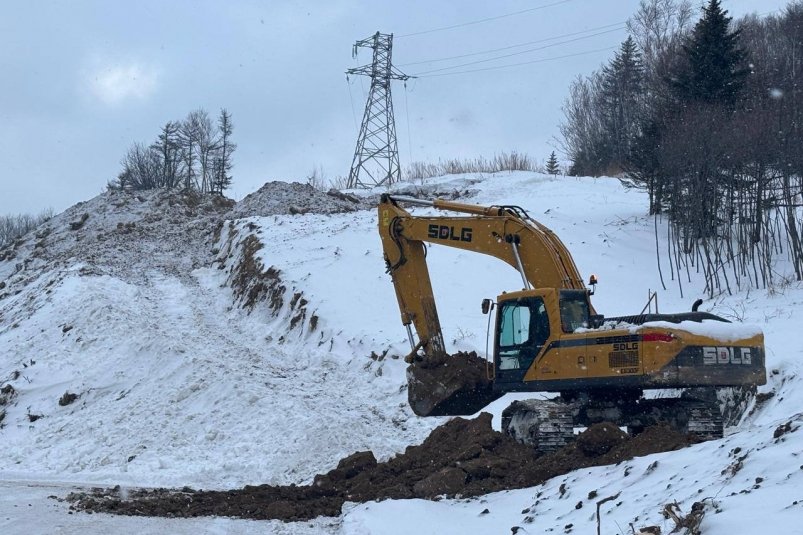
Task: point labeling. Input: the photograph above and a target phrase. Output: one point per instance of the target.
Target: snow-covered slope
(176, 383)
(265, 348)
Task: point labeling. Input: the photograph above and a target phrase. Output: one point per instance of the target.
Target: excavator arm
(504, 232)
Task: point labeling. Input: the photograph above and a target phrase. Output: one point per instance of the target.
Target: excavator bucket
(455, 386)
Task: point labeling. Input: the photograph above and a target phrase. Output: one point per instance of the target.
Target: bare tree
(206, 147)
(583, 130)
(195, 154)
(317, 178)
(142, 167)
(189, 139)
(657, 26)
(13, 227)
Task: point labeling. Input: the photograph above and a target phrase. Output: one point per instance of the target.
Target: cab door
(522, 331)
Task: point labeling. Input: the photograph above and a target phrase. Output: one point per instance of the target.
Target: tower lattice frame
(376, 157)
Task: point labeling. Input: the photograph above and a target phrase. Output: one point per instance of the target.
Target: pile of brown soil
(461, 458)
(295, 199)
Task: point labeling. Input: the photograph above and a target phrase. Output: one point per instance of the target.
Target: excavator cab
(525, 324)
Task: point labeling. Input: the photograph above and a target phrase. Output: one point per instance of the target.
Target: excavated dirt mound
(461, 458)
(295, 198)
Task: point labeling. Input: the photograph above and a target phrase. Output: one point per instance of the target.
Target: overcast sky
(80, 81)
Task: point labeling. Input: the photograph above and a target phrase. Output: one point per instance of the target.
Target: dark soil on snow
(461, 458)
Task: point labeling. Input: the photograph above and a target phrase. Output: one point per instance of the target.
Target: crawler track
(548, 425)
(545, 424)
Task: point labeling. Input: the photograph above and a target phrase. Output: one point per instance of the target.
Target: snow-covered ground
(179, 384)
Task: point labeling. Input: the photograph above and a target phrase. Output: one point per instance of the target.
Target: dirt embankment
(461, 458)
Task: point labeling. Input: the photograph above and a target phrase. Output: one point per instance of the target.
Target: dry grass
(504, 161)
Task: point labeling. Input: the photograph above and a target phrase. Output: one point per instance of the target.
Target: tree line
(192, 154)
(15, 226)
(706, 116)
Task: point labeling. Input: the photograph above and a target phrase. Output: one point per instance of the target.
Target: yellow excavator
(549, 338)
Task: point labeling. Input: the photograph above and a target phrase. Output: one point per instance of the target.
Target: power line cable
(484, 20)
(351, 99)
(621, 26)
(516, 53)
(542, 60)
(407, 112)
(364, 92)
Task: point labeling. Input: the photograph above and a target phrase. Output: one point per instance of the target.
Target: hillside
(214, 345)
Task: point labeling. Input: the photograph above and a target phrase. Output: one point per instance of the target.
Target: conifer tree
(223, 160)
(715, 67)
(167, 145)
(552, 166)
(622, 98)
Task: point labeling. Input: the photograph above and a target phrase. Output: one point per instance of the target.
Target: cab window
(515, 328)
(574, 312)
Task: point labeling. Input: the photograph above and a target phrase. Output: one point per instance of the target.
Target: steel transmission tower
(377, 154)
